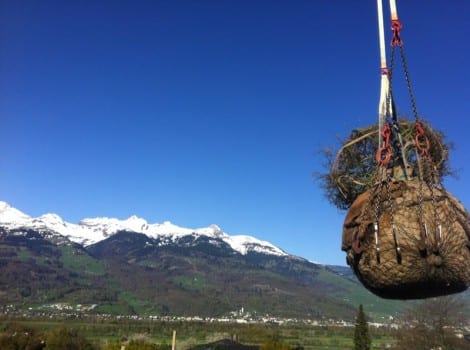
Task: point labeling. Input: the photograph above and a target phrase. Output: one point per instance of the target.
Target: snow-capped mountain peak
(92, 230)
(51, 219)
(112, 225)
(212, 231)
(10, 214)
(244, 244)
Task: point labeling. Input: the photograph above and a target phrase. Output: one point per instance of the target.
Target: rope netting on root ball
(405, 236)
(406, 240)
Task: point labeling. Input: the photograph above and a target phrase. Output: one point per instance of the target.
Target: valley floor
(199, 335)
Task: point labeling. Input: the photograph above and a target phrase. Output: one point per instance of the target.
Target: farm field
(199, 335)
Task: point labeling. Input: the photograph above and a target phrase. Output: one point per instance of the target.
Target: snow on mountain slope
(92, 230)
(244, 244)
(9, 214)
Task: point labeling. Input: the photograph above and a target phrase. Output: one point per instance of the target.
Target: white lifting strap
(385, 103)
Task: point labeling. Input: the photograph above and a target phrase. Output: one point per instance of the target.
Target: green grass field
(75, 260)
(191, 334)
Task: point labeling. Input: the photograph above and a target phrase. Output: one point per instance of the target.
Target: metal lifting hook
(396, 25)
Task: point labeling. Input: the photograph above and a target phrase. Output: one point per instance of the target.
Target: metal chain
(362, 226)
(392, 219)
(422, 223)
(408, 83)
(425, 158)
(437, 224)
(398, 140)
(378, 200)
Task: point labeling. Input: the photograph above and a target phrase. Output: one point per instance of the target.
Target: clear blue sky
(211, 111)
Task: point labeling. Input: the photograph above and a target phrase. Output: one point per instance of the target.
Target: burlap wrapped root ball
(411, 264)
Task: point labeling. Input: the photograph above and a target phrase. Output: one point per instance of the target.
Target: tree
(362, 340)
(432, 324)
(64, 338)
(18, 337)
(275, 344)
(352, 170)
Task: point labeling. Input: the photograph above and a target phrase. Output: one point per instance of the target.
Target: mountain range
(131, 267)
(91, 231)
